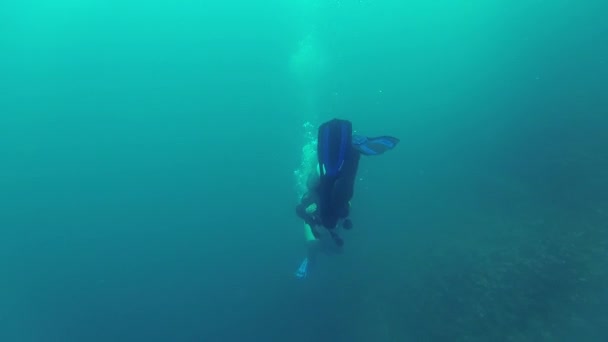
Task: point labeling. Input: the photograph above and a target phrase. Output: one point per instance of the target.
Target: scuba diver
(326, 204)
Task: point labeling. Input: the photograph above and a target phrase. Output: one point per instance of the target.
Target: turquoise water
(151, 155)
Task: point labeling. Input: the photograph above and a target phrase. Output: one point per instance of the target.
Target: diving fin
(338, 162)
(374, 146)
(334, 146)
(302, 270)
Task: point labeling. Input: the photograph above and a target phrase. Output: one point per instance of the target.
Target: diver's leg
(338, 240)
(347, 224)
(312, 250)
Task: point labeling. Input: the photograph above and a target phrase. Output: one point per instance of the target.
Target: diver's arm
(306, 201)
(309, 219)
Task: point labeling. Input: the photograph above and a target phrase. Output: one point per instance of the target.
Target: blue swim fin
(338, 162)
(301, 273)
(374, 146)
(333, 148)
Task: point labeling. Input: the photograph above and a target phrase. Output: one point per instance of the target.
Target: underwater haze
(152, 155)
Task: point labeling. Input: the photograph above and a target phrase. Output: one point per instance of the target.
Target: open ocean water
(152, 154)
